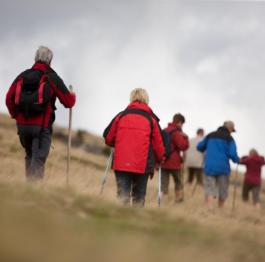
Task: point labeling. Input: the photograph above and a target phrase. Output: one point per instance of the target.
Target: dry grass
(75, 224)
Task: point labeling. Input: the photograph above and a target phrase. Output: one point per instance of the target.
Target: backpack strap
(130, 111)
(139, 112)
(18, 90)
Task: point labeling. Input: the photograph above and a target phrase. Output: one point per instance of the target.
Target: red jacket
(254, 165)
(58, 89)
(178, 142)
(137, 140)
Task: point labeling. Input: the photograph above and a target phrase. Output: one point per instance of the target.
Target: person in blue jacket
(219, 148)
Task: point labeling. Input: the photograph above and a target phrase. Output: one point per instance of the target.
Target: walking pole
(182, 180)
(235, 186)
(69, 142)
(159, 187)
(194, 188)
(104, 179)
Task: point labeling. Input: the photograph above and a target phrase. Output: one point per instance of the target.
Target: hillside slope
(52, 222)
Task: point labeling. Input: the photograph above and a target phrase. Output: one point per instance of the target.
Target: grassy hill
(51, 222)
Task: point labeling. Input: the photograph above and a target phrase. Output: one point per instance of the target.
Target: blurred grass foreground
(40, 224)
(49, 222)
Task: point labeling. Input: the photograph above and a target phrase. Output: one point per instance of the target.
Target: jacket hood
(223, 129)
(144, 107)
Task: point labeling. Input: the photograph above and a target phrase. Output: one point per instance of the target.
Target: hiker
(137, 140)
(194, 159)
(252, 181)
(178, 142)
(219, 148)
(31, 101)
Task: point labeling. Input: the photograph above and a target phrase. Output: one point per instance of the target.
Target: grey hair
(44, 54)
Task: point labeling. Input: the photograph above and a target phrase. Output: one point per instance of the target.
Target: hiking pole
(182, 181)
(69, 142)
(194, 188)
(235, 186)
(104, 179)
(159, 187)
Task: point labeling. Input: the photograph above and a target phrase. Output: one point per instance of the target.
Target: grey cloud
(204, 59)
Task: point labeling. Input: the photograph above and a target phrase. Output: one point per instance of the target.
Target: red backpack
(32, 93)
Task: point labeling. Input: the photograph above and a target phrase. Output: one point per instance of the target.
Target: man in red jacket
(34, 119)
(136, 137)
(179, 142)
(252, 181)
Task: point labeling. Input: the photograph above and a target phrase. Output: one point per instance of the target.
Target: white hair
(44, 54)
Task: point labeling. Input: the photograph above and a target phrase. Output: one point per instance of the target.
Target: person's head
(230, 126)
(178, 119)
(44, 54)
(253, 152)
(200, 132)
(139, 95)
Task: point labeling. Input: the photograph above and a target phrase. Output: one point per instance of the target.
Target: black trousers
(255, 189)
(36, 142)
(131, 185)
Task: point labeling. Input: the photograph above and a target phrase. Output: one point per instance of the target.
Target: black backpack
(32, 93)
(167, 141)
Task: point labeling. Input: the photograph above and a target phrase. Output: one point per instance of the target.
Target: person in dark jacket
(135, 135)
(219, 148)
(179, 142)
(35, 128)
(252, 181)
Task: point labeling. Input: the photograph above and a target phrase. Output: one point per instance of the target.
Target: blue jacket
(219, 148)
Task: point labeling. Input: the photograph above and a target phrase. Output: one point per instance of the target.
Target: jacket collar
(174, 126)
(41, 66)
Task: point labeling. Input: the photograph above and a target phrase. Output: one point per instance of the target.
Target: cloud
(203, 59)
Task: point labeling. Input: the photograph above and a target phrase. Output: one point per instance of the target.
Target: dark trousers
(36, 142)
(131, 185)
(195, 172)
(255, 189)
(165, 175)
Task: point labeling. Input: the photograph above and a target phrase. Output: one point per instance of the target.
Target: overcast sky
(205, 59)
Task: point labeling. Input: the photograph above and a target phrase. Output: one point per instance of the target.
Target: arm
(66, 97)
(244, 160)
(202, 145)
(233, 152)
(111, 130)
(157, 143)
(10, 99)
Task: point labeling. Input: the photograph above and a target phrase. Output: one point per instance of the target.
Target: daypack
(32, 93)
(167, 141)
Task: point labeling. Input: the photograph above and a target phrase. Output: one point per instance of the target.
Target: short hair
(178, 118)
(200, 131)
(139, 95)
(44, 54)
(253, 152)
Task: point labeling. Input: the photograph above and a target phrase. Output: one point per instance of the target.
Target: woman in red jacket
(136, 136)
(252, 181)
